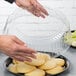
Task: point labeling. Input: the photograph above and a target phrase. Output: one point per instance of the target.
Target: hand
(32, 6)
(15, 48)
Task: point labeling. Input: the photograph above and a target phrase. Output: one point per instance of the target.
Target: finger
(42, 15)
(19, 58)
(25, 49)
(38, 12)
(25, 54)
(39, 6)
(31, 55)
(18, 41)
(28, 59)
(33, 11)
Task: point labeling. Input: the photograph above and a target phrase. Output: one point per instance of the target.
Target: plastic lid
(38, 33)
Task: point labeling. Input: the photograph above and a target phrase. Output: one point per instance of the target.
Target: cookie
(36, 72)
(55, 70)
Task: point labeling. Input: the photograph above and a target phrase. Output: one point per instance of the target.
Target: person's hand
(32, 6)
(15, 48)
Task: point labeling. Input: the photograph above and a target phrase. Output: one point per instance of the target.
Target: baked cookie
(48, 65)
(59, 61)
(55, 70)
(36, 72)
(13, 68)
(47, 57)
(24, 68)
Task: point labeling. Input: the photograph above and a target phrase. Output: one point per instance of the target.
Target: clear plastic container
(38, 33)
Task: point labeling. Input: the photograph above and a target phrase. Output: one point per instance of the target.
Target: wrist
(10, 1)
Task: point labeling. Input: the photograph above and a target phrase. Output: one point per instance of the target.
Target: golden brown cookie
(59, 61)
(48, 65)
(24, 68)
(55, 70)
(47, 57)
(36, 72)
(13, 68)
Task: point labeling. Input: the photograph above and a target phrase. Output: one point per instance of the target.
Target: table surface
(70, 55)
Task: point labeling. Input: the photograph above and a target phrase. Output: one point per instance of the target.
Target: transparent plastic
(38, 33)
